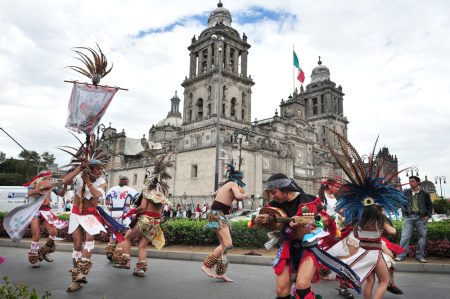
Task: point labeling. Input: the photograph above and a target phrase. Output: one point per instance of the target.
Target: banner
(87, 105)
(16, 222)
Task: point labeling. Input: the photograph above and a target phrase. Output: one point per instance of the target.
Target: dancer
(299, 252)
(35, 213)
(224, 197)
(148, 218)
(118, 199)
(89, 187)
(361, 199)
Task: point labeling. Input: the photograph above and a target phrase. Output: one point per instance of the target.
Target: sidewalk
(193, 253)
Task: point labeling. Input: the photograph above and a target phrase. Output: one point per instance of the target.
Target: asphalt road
(176, 279)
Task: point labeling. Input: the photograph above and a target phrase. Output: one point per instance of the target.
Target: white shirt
(121, 196)
(78, 185)
(331, 204)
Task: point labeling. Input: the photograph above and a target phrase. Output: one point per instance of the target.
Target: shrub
(441, 206)
(19, 290)
(191, 232)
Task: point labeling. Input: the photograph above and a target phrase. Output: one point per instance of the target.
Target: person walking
(416, 212)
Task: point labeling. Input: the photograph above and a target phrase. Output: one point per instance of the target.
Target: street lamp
(239, 138)
(412, 169)
(440, 179)
(101, 127)
(219, 40)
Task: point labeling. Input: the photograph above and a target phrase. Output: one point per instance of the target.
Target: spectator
(416, 213)
(198, 211)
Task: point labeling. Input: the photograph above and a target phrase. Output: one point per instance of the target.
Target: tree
(24, 155)
(2, 156)
(48, 158)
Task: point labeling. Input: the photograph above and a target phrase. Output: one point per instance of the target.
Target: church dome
(170, 121)
(428, 186)
(320, 73)
(219, 15)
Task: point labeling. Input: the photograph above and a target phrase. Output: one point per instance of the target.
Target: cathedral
(291, 142)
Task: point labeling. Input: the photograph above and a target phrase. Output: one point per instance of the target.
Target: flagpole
(293, 71)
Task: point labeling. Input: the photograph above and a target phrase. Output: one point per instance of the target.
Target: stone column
(210, 58)
(227, 56)
(200, 62)
(192, 68)
(244, 57)
(236, 61)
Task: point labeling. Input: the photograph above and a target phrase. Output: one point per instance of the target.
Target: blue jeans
(407, 232)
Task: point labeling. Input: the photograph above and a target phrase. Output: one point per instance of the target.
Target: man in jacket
(415, 213)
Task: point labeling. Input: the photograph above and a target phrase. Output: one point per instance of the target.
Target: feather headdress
(95, 68)
(235, 175)
(365, 186)
(88, 151)
(156, 187)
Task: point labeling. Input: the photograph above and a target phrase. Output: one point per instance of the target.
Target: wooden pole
(76, 82)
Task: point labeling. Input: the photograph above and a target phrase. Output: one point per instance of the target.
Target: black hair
(292, 187)
(416, 178)
(372, 217)
(322, 196)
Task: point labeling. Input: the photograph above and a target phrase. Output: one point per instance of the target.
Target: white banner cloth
(87, 105)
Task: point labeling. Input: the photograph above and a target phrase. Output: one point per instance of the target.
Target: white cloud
(391, 58)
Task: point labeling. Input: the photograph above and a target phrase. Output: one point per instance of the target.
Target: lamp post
(412, 170)
(100, 127)
(219, 40)
(239, 138)
(440, 179)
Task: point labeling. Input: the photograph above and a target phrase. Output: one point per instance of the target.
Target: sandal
(345, 293)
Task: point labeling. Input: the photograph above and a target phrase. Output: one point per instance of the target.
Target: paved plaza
(173, 279)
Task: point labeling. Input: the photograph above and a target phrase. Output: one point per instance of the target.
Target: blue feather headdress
(365, 186)
(235, 175)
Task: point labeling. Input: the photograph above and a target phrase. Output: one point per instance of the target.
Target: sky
(392, 59)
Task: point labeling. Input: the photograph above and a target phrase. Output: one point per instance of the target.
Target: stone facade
(292, 141)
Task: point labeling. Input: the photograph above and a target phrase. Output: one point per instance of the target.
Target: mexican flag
(301, 74)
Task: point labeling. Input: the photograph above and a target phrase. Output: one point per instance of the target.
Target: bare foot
(208, 271)
(224, 278)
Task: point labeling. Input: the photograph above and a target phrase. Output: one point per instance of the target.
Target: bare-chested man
(231, 190)
(89, 187)
(147, 226)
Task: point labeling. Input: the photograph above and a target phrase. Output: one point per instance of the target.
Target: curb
(234, 258)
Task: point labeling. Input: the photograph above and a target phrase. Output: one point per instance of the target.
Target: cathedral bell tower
(201, 86)
(323, 103)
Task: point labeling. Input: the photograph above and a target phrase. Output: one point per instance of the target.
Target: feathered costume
(364, 188)
(218, 221)
(147, 222)
(93, 153)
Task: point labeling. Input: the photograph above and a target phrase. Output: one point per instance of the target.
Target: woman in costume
(148, 219)
(361, 199)
(34, 213)
(224, 197)
(299, 252)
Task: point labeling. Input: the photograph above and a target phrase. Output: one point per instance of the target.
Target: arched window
(199, 105)
(233, 107)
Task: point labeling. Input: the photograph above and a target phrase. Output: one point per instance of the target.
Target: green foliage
(64, 217)
(19, 290)
(14, 172)
(48, 158)
(26, 155)
(441, 206)
(435, 231)
(192, 232)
